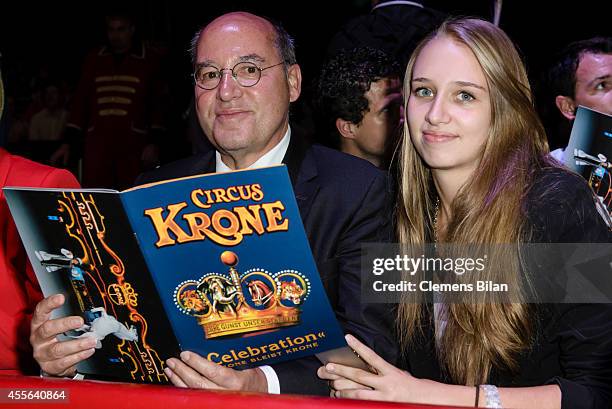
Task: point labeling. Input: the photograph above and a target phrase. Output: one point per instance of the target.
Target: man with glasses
(245, 78)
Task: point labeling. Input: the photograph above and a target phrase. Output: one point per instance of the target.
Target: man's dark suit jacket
(343, 201)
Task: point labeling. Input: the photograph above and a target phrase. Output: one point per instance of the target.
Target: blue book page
(232, 265)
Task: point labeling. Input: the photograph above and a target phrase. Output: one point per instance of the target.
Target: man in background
(582, 75)
(394, 26)
(116, 114)
(358, 98)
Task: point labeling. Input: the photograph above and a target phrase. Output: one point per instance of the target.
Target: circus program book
(217, 264)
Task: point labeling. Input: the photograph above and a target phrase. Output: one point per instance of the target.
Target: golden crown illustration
(234, 303)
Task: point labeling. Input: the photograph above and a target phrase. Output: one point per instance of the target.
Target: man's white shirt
(273, 157)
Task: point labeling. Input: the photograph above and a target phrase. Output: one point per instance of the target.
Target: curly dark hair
(562, 75)
(345, 78)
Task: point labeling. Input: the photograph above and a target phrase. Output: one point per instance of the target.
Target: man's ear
(567, 106)
(345, 128)
(294, 77)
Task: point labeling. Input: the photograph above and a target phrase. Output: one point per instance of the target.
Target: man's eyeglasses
(245, 73)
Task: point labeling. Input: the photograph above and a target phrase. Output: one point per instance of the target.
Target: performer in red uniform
(19, 290)
(116, 109)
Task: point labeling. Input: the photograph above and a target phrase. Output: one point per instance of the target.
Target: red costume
(115, 106)
(19, 290)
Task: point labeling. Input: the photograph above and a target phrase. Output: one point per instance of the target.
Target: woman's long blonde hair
(486, 210)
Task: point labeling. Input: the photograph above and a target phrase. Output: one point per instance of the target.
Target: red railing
(109, 395)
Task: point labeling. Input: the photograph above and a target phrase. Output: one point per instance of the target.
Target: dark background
(59, 34)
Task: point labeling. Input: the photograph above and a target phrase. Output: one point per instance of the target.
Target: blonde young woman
(474, 169)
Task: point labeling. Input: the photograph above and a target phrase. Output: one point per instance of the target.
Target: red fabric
(19, 290)
(104, 395)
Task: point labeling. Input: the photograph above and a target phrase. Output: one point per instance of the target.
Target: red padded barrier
(108, 395)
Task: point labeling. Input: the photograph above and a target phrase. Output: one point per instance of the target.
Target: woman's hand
(392, 384)
(388, 384)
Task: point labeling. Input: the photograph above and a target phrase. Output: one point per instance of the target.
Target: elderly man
(245, 78)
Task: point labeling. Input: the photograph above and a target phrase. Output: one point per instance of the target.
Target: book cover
(589, 152)
(217, 264)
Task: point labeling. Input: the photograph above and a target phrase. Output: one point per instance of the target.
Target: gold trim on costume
(116, 88)
(114, 100)
(125, 78)
(113, 112)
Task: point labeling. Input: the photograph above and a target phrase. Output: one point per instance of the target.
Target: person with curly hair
(358, 97)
